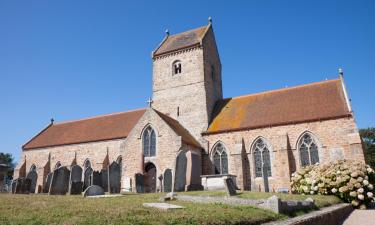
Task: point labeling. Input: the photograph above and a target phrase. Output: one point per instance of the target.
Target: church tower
(187, 78)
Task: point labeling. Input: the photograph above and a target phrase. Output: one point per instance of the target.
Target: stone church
(190, 137)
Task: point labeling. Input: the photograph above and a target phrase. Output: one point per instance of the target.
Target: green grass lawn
(320, 200)
(127, 209)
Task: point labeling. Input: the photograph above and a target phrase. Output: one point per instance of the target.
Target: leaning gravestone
(75, 186)
(180, 177)
(87, 180)
(60, 181)
(168, 180)
(14, 185)
(114, 177)
(230, 186)
(48, 183)
(93, 190)
(33, 176)
(104, 179)
(139, 183)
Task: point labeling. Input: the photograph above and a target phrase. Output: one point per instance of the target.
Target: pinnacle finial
(167, 32)
(341, 72)
(210, 20)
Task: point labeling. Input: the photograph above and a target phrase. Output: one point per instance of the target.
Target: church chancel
(189, 137)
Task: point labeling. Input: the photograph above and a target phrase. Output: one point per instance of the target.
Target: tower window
(176, 67)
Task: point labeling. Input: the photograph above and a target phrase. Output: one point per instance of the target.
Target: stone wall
(337, 139)
(45, 159)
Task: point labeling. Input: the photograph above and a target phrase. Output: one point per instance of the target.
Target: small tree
(7, 158)
(368, 137)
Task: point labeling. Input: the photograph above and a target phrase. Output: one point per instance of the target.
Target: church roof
(311, 102)
(99, 128)
(180, 41)
(179, 129)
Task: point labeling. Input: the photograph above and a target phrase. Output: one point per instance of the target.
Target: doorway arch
(150, 178)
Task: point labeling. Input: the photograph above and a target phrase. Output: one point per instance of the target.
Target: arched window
(262, 159)
(86, 164)
(220, 159)
(33, 168)
(149, 142)
(176, 67)
(58, 165)
(308, 150)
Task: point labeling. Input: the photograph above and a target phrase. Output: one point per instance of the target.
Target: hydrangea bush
(351, 181)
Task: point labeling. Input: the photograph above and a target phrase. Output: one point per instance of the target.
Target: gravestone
(104, 178)
(76, 183)
(180, 177)
(25, 185)
(168, 180)
(96, 178)
(33, 176)
(48, 183)
(14, 185)
(163, 206)
(139, 183)
(127, 184)
(87, 179)
(114, 177)
(93, 190)
(60, 181)
(230, 186)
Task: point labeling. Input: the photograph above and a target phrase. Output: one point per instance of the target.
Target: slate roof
(179, 129)
(100, 128)
(182, 40)
(311, 102)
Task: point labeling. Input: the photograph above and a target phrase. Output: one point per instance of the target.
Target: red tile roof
(179, 129)
(183, 40)
(100, 128)
(311, 102)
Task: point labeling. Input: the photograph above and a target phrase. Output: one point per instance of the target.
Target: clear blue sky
(73, 59)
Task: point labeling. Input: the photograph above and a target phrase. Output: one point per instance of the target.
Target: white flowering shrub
(351, 181)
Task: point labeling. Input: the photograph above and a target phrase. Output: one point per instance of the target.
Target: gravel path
(361, 217)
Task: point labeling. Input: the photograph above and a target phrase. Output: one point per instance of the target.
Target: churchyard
(129, 209)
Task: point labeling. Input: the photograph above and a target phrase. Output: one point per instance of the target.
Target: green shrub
(351, 181)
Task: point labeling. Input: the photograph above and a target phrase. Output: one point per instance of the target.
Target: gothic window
(87, 164)
(176, 67)
(220, 159)
(149, 142)
(33, 168)
(308, 150)
(262, 159)
(58, 165)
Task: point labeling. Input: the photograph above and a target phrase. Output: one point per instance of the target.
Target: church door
(150, 178)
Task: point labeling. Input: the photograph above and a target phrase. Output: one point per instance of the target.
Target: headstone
(76, 183)
(163, 206)
(104, 178)
(14, 185)
(274, 204)
(114, 177)
(128, 184)
(87, 179)
(283, 190)
(93, 190)
(48, 183)
(168, 180)
(97, 178)
(170, 196)
(25, 185)
(33, 176)
(60, 181)
(139, 183)
(230, 186)
(180, 176)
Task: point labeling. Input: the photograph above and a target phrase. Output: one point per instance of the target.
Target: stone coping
(218, 175)
(330, 215)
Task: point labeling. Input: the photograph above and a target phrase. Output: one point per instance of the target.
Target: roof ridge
(187, 31)
(98, 116)
(283, 89)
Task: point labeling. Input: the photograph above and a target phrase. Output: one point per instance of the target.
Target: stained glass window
(262, 158)
(220, 159)
(308, 150)
(149, 142)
